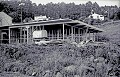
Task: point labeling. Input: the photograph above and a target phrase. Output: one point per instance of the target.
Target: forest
(56, 10)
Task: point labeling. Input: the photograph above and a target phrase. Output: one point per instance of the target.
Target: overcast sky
(100, 2)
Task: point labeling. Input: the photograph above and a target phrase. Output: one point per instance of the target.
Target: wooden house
(5, 21)
(73, 30)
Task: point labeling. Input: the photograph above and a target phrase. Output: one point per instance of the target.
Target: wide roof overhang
(74, 23)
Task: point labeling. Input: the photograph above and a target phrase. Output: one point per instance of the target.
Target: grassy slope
(112, 31)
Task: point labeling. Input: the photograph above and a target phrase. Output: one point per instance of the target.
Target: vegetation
(59, 61)
(112, 32)
(59, 10)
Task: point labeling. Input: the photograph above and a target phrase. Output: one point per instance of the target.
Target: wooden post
(0, 36)
(27, 34)
(52, 34)
(9, 35)
(48, 35)
(72, 33)
(66, 33)
(58, 34)
(79, 34)
(32, 33)
(89, 36)
(93, 36)
(40, 28)
(69, 32)
(24, 35)
(86, 33)
(43, 27)
(96, 36)
(63, 31)
(20, 35)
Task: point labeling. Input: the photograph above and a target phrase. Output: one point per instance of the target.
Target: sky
(100, 2)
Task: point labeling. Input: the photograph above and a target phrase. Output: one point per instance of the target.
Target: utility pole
(109, 12)
(21, 4)
(21, 14)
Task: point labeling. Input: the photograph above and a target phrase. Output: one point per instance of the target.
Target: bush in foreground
(59, 61)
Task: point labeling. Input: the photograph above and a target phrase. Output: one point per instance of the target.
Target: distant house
(97, 16)
(40, 18)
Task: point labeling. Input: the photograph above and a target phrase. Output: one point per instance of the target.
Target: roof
(69, 22)
(5, 19)
(2, 14)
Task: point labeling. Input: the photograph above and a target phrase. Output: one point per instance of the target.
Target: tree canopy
(54, 10)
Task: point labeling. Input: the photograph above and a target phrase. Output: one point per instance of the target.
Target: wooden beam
(40, 23)
(4, 29)
(90, 26)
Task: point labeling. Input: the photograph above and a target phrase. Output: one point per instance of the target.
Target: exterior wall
(21, 35)
(4, 35)
(24, 35)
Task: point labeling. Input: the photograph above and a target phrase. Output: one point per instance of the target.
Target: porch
(56, 29)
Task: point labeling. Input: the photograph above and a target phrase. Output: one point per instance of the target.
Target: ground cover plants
(59, 61)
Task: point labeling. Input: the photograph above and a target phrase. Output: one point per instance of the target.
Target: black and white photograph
(59, 38)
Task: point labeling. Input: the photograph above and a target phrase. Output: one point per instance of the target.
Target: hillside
(112, 31)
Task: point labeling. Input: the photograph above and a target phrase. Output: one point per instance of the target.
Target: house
(73, 30)
(5, 21)
(40, 18)
(97, 16)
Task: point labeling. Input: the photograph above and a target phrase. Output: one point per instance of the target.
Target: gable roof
(5, 20)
